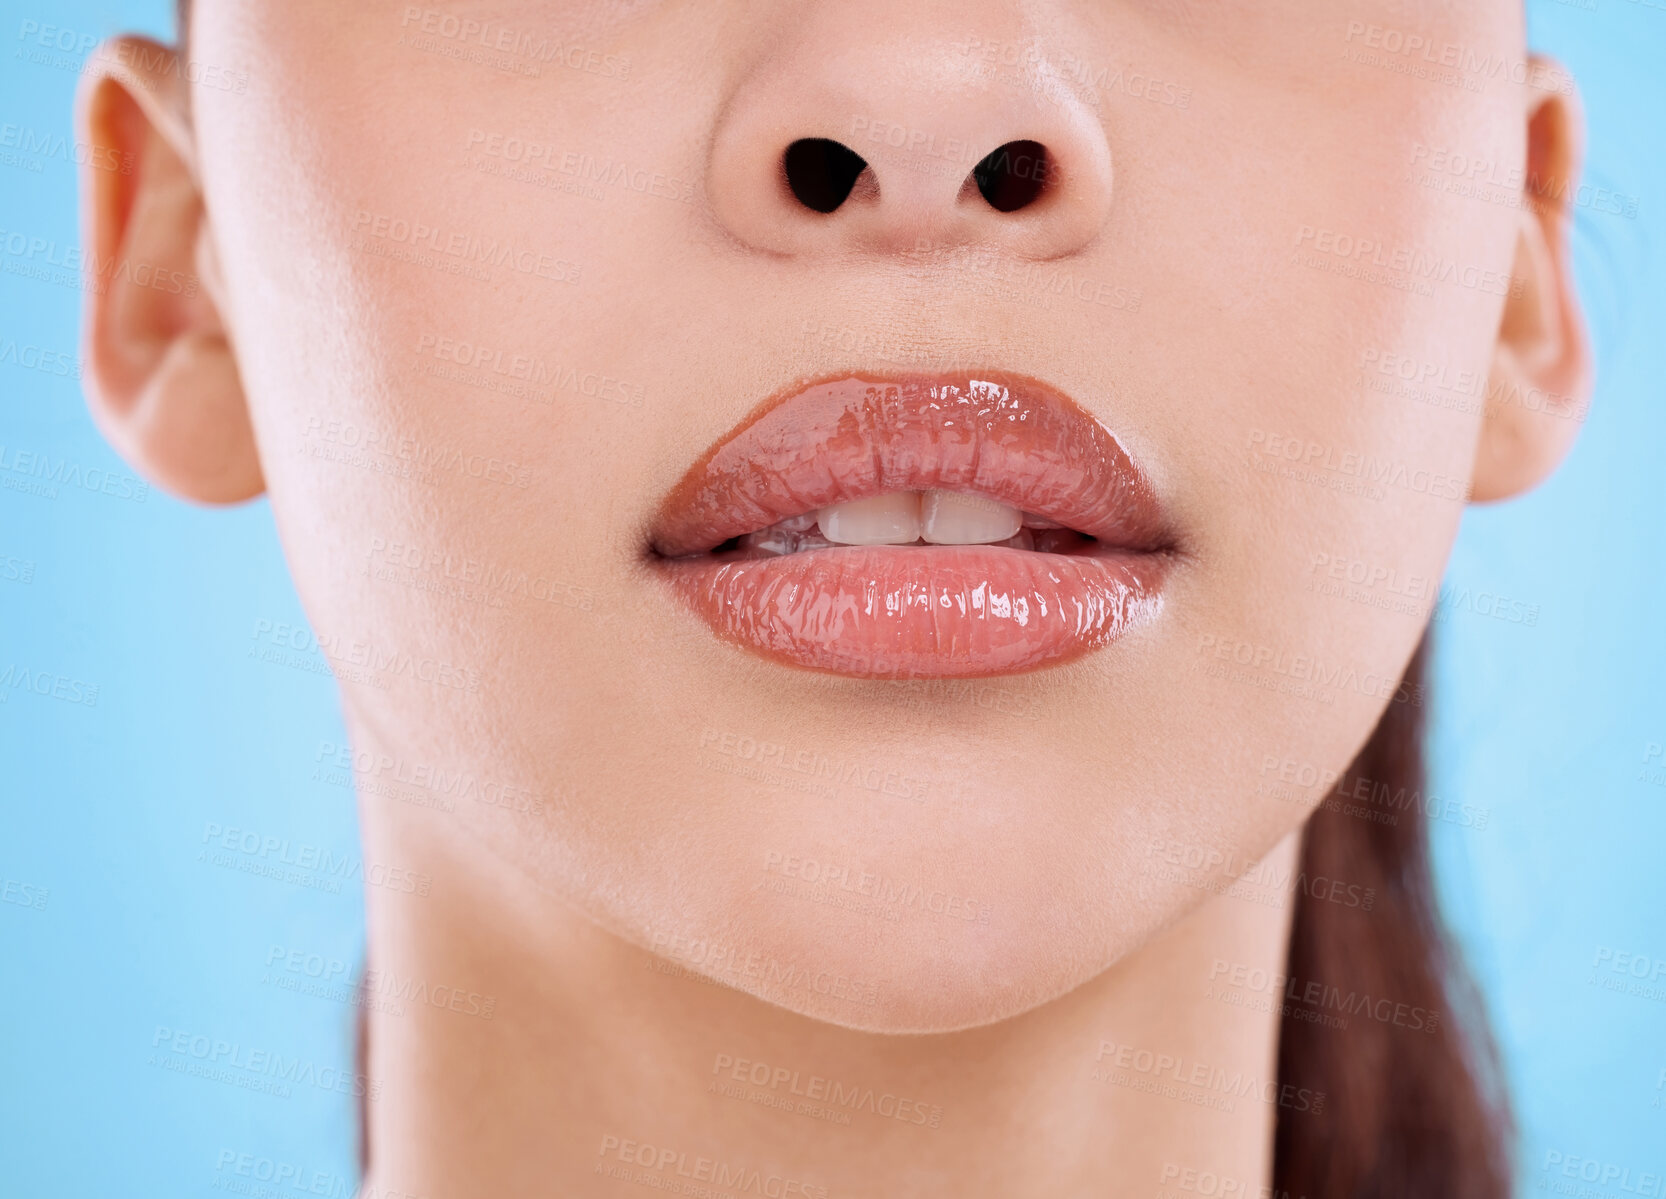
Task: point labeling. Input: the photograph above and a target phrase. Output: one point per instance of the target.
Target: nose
(878, 128)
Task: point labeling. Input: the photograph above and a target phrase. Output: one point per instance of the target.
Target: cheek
(1319, 325)
(426, 339)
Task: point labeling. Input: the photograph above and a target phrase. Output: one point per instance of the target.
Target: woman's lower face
(579, 421)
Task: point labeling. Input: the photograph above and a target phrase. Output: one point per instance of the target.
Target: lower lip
(922, 611)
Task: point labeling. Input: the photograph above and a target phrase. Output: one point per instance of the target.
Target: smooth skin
(1118, 827)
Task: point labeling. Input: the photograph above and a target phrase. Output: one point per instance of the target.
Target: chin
(951, 955)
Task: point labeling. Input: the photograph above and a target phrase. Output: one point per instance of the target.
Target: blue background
(155, 603)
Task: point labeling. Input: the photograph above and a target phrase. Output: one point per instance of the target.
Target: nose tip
(847, 142)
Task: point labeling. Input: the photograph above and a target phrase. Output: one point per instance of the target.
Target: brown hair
(1414, 1104)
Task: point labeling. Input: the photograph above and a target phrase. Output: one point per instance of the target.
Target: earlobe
(162, 382)
(1540, 382)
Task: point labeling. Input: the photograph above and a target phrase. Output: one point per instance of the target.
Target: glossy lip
(917, 611)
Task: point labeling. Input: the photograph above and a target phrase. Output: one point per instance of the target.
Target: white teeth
(878, 520)
(901, 518)
(954, 518)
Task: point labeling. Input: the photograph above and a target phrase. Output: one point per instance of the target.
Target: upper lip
(1006, 436)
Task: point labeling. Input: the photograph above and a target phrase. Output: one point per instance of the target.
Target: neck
(517, 1048)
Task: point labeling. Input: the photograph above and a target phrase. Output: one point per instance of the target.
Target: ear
(161, 381)
(1540, 384)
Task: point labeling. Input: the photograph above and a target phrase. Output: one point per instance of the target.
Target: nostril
(821, 172)
(1014, 175)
